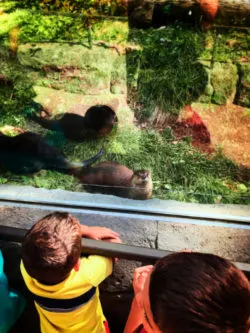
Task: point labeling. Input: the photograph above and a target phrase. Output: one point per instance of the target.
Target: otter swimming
(29, 152)
(98, 121)
(116, 179)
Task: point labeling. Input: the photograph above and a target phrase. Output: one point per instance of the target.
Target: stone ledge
(239, 213)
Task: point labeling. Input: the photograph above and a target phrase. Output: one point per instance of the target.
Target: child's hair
(195, 292)
(52, 247)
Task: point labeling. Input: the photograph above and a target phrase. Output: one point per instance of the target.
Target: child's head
(198, 293)
(52, 247)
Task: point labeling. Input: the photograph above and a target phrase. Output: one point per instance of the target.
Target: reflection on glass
(144, 100)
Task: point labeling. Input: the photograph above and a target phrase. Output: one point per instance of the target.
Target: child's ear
(77, 265)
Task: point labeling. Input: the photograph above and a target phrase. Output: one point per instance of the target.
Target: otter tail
(50, 124)
(88, 162)
(34, 108)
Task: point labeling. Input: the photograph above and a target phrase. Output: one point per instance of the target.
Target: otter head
(141, 178)
(141, 185)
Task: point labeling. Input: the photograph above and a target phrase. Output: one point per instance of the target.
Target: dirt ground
(229, 130)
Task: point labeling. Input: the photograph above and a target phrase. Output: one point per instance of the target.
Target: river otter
(29, 152)
(98, 121)
(113, 178)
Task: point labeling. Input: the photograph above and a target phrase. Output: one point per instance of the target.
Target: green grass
(179, 171)
(170, 74)
(15, 97)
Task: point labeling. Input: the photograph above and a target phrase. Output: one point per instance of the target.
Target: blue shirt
(11, 305)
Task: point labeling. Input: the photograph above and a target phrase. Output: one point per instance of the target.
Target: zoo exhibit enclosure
(181, 96)
(188, 89)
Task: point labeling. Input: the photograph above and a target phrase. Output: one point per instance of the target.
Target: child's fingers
(140, 276)
(142, 269)
(110, 233)
(114, 240)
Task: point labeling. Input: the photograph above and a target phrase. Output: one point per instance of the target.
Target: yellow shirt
(87, 318)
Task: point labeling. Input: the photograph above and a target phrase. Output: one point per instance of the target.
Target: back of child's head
(52, 248)
(199, 293)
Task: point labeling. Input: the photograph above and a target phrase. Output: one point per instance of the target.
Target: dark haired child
(190, 293)
(65, 286)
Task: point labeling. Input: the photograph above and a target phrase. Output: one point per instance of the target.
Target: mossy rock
(75, 69)
(208, 92)
(224, 79)
(244, 86)
(232, 45)
(73, 80)
(63, 55)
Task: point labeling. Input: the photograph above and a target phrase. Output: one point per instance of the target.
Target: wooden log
(220, 12)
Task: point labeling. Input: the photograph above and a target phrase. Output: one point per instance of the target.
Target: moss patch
(224, 78)
(77, 56)
(244, 87)
(232, 45)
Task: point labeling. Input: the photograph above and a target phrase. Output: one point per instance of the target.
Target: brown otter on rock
(98, 121)
(29, 152)
(114, 178)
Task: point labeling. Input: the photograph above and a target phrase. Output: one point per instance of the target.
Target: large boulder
(60, 101)
(73, 68)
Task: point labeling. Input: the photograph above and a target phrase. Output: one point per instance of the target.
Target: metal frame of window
(90, 246)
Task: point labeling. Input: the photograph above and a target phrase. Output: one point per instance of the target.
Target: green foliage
(109, 7)
(12, 20)
(110, 31)
(40, 27)
(8, 6)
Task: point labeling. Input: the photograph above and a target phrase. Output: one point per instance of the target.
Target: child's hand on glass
(98, 233)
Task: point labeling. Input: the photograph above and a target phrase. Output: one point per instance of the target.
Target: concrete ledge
(169, 225)
(234, 213)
